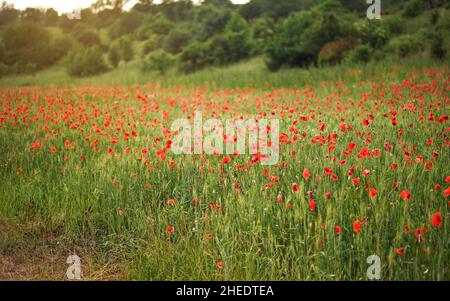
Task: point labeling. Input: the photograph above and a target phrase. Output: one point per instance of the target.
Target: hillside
(181, 42)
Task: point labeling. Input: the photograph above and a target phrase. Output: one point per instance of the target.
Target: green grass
(251, 73)
(81, 201)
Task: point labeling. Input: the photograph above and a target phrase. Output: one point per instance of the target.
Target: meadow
(86, 168)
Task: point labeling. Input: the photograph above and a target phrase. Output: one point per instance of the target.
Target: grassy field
(363, 170)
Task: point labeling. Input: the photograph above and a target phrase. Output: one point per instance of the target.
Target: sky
(65, 6)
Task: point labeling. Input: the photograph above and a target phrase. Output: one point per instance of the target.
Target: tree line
(189, 37)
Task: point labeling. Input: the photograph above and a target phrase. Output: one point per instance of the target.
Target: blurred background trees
(186, 37)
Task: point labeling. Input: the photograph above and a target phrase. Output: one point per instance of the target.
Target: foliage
(28, 46)
(437, 46)
(301, 36)
(83, 61)
(361, 54)
(406, 45)
(334, 52)
(158, 61)
(176, 40)
(126, 49)
(373, 32)
(114, 55)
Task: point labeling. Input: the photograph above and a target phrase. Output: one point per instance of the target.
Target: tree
(8, 14)
(51, 17)
(85, 62)
(437, 46)
(158, 61)
(27, 44)
(176, 40)
(302, 36)
(114, 55)
(126, 49)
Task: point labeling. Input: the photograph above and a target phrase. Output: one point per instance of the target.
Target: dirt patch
(30, 254)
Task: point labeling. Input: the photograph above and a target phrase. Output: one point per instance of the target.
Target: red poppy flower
(406, 195)
(337, 229)
(306, 174)
(447, 179)
(328, 195)
(436, 220)
(406, 229)
(170, 202)
(357, 225)
(170, 229)
(373, 193)
(226, 160)
(394, 166)
(447, 192)
(356, 181)
(279, 198)
(295, 187)
(19, 171)
(312, 205)
(220, 265)
(400, 251)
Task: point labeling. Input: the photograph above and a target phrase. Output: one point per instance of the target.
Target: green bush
(85, 62)
(437, 47)
(86, 35)
(176, 40)
(395, 24)
(25, 45)
(195, 57)
(334, 52)
(153, 43)
(114, 55)
(60, 47)
(129, 22)
(158, 61)
(413, 8)
(373, 32)
(361, 54)
(126, 49)
(162, 26)
(406, 45)
(3, 70)
(302, 36)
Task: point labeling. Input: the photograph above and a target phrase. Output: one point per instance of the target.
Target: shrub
(406, 45)
(27, 44)
(126, 49)
(413, 8)
(153, 43)
(158, 61)
(334, 52)
(162, 26)
(373, 32)
(229, 47)
(361, 54)
(194, 57)
(85, 61)
(437, 47)
(395, 24)
(114, 55)
(126, 24)
(302, 36)
(60, 47)
(86, 35)
(176, 40)
(3, 69)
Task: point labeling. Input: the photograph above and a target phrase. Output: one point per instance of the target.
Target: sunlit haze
(69, 6)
